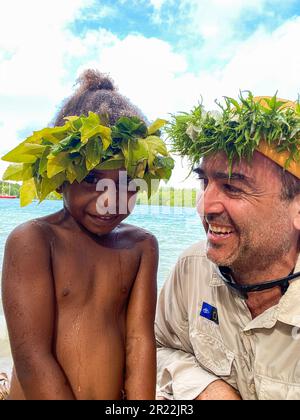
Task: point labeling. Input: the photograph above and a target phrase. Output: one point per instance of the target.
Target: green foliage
(237, 129)
(170, 197)
(9, 189)
(53, 156)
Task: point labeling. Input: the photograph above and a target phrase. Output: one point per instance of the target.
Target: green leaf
(137, 152)
(27, 172)
(44, 161)
(128, 128)
(152, 186)
(81, 173)
(92, 127)
(112, 164)
(27, 192)
(70, 144)
(156, 126)
(24, 153)
(13, 173)
(156, 146)
(57, 164)
(93, 153)
(50, 185)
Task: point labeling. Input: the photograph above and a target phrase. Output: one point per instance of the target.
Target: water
(175, 229)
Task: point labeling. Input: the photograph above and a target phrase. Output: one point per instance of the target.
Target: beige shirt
(260, 357)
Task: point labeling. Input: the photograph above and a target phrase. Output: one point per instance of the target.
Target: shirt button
(248, 333)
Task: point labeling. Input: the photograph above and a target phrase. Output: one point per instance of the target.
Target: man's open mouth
(220, 230)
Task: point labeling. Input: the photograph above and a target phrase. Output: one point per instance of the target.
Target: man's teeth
(217, 229)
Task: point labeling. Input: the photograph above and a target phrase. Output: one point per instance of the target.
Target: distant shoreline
(166, 196)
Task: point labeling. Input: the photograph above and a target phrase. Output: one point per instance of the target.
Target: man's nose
(210, 201)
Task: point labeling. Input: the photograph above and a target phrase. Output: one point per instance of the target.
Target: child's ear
(60, 189)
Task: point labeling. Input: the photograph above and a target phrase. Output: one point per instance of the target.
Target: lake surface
(175, 228)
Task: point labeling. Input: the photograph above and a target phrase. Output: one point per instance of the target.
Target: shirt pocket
(212, 354)
(271, 390)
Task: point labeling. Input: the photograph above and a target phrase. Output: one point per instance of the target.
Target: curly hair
(97, 93)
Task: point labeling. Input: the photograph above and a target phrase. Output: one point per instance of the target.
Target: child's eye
(91, 179)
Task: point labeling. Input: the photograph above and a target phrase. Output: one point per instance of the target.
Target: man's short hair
(290, 184)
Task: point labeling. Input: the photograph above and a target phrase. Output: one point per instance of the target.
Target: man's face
(247, 222)
(101, 201)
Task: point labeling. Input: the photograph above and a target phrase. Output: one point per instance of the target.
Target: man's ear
(296, 212)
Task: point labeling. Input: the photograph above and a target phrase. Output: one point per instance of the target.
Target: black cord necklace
(243, 289)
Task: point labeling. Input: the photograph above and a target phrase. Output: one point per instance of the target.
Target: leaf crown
(52, 156)
(240, 127)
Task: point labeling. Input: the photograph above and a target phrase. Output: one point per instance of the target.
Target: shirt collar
(287, 311)
(216, 277)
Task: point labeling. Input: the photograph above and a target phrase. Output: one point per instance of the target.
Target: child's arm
(140, 340)
(29, 303)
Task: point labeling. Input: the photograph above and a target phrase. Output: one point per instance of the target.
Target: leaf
(93, 154)
(50, 185)
(52, 134)
(81, 173)
(137, 152)
(27, 192)
(156, 126)
(57, 164)
(152, 186)
(44, 161)
(234, 103)
(129, 127)
(13, 173)
(103, 132)
(155, 146)
(27, 171)
(92, 127)
(70, 144)
(112, 164)
(24, 153)
(71, 173)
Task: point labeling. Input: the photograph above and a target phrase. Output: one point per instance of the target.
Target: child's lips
(100, 219)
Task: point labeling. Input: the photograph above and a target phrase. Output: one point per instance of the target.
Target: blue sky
(163, 54)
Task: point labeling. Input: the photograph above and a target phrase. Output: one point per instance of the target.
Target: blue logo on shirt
(209, 312)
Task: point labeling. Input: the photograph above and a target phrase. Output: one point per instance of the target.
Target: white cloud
(40, 59)
(265, 63)
(157, 4)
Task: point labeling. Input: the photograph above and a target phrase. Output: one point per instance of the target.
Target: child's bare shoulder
(34, 234)
(137, 236)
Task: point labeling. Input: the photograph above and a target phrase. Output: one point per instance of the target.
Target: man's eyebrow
(235, 176)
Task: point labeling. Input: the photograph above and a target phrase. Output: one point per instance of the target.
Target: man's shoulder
(197, 250)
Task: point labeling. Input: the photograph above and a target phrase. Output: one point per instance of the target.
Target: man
(228, 319)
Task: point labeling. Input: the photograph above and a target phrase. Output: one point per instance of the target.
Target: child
(79, 286)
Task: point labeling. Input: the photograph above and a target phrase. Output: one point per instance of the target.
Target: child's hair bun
(94, 80)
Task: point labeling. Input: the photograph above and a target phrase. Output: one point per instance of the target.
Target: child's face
(101, 201)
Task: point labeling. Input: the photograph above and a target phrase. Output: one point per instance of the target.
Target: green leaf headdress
(267, 124)
(53, 156)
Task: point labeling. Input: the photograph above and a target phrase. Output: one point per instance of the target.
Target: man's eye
(91, 179)
(231, 189)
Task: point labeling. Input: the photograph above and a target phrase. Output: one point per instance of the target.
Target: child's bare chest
(88, 274)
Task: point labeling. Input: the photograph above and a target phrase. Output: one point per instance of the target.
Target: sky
(165, 55)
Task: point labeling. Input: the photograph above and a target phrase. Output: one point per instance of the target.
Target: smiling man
(228, 318)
